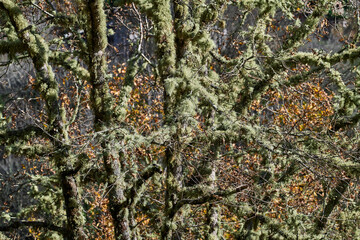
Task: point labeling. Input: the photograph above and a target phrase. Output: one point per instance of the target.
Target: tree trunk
(213, 209)
(103, 107)
(39, 52)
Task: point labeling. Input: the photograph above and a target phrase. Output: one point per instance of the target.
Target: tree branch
(12, 47)
(65, 59)
(39, 224)
(210, 197)
(24, 134)
(334, 198)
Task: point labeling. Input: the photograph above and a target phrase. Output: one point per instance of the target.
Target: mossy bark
(170, 49)
(213, 222)
(103, 106)
(47, 86)
(166, 52)
(333, 200)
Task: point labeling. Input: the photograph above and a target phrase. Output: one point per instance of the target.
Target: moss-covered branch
(207, 198)
(102, 104)
(47, 86)
(333, 200)
(38, 51)
(307, 27)
(131, 71)
(347, 122)
(23, 134)
(135, 192)
(66, 60)
(12, 47)
(30, 151)
(37, 224)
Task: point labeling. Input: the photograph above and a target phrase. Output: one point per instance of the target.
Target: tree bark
(103, 106)
(213, 209)
(334, 198)
(39, 52)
